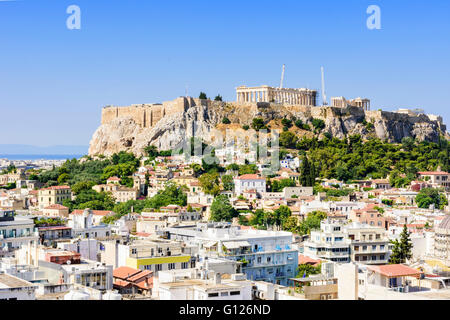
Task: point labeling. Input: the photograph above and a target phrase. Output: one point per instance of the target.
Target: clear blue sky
(54, 81)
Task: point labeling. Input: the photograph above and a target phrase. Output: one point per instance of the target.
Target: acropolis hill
(132, 128)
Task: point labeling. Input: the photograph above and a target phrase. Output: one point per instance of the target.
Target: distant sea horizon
(40, 156)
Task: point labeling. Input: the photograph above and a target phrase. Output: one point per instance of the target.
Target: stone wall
(147, 115)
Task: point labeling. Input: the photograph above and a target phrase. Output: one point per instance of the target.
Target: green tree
(402, 248)
(202, 96)
(225, 120)
(210, 183)
(307, 173)
(318, 124)
(278, 186)
(258, 124)
(286, 122)
(63, 178)
(288, 139)
(227, 182)
(218, 98)
(305, 270)
(312, 222)
(248, 169)
(281, 214)
(222, 210)
(429, 196)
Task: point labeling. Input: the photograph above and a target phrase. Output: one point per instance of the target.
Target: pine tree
(402, 248)
(305, 173)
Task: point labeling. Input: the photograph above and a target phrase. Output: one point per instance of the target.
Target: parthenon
(265, 93)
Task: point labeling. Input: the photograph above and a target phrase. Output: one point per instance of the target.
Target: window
(374, 247)
(213, 294)
(235, 293)
(364, 248)
(382, 247)
(374, 258)
(158, 267)
(269, 259)
(133, 251)
(171, 266)
(224, 294)
(184, 265)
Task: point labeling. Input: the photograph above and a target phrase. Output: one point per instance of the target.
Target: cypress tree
(402, 248)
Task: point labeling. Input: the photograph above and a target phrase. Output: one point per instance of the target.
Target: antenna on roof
(282, 76)
(324, 97)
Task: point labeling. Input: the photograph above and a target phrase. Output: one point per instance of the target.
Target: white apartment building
(15, 231)
(193, 284)
(249, 182)
(265, 255)
(329, 243)
(369, 245)
(83, 226)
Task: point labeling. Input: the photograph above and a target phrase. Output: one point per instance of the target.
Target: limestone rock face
(201, 118)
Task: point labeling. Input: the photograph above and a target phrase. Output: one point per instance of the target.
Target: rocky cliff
(200, 118)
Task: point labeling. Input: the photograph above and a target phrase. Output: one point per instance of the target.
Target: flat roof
(7, 281)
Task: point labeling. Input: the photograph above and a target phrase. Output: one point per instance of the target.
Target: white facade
(249, 182)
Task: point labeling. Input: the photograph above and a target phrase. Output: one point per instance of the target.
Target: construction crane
(282, 77)
(324, 97)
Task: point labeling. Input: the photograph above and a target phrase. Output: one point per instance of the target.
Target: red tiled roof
(395, 270)
(250, 177)
(140, 275)
(125, 272)
(121, 283)
(95, 212)
(113, 179)
(302, 259)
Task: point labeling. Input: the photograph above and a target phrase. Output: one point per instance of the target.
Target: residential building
(15, 231)
(438, 178)
(53, 195)
(83, 226)
(153, 255)
(369, 245)
(266, 255)
(56, 211)
(329, 243)
(249, 182)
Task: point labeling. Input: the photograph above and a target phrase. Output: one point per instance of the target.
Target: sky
(54, 81)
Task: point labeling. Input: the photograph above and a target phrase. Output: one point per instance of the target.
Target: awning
(210, 244)
(236, 244)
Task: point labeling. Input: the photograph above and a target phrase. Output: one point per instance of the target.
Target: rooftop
(7, 281)
(395, 270)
